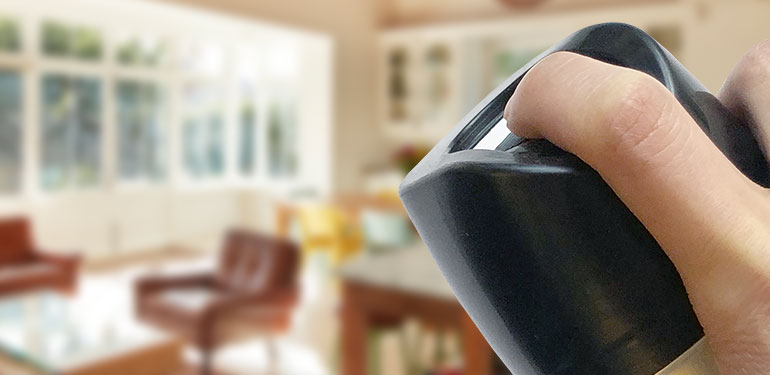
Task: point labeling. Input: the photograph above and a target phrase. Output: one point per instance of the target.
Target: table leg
(478, 354)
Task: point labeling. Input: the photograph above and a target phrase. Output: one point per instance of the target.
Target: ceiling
(405, 12)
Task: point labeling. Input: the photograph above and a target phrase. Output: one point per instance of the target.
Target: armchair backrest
(15, 240)
(256, 262)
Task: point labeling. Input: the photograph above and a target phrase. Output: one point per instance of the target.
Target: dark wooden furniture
(383, 290)
(24, 267)
(253, 292)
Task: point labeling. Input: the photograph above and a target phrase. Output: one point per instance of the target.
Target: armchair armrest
(68, 261)
(151, 284)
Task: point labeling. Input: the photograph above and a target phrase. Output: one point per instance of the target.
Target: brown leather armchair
(24, 267)
(253, 291)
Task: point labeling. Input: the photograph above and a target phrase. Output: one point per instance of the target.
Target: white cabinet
(431, 76)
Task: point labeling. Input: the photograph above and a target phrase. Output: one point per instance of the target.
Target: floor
(306, 350)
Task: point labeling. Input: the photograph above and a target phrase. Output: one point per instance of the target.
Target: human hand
(712, 221)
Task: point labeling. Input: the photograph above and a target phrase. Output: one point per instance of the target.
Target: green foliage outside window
(10, 38)
(70, 131)
(281, 136)
(247, 152)
(62, 40)
(140, 132)
(135, 53)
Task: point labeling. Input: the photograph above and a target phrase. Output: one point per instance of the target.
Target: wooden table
(162, 358)
(406, 283)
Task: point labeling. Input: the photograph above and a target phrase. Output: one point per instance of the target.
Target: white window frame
(115, 18)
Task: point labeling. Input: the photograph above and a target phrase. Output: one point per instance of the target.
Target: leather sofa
(24, 267)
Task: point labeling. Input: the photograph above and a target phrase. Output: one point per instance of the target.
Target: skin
(712, 221)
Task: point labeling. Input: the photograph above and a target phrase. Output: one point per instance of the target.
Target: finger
(631, 129)
(746, 92)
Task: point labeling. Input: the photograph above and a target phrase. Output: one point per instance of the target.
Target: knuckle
(636, 115)
(546, 68)
(754, 67)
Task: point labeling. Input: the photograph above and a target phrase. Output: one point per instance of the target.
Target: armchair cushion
(191, 300)
(207, 317)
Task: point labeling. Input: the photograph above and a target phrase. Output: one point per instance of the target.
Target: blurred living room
(210, 186)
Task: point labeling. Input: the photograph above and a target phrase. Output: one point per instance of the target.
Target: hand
(712, 221)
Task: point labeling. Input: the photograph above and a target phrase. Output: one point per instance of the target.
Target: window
(70, 131)
(204, 59)
(282, 136)
(397, 84)
(282, 110)
(247, 81)
(140, 51)
(204, 104)
(247, 138)
(140, 132)
(10, 131)
(65, 41)
(127, 102)
(203, 136)
(438, 60)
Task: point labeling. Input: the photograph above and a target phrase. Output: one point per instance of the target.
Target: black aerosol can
(558, 274)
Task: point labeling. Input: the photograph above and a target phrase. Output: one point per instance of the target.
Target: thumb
(710, 219)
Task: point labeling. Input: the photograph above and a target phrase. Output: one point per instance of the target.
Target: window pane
(398, 91)
(438, 60)
(203, 149)
(247, 68)
(10, 131)
(10, 38)
(140, 51)
(140, 131)
(203, 131)
(70, 131)
(202, 59)
(246, 72)
(62, 40)
(56, 39)
(281, 136)
(247, 157)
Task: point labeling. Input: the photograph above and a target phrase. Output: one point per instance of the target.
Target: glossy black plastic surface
(558, 274)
